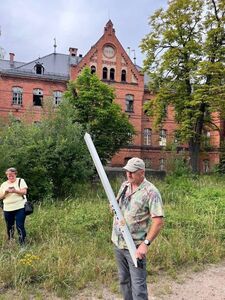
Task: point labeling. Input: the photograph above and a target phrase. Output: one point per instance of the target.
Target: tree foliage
(51, 156)
(185, 56)
(99, 114)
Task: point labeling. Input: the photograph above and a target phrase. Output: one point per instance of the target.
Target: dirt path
(205, 285)
(208, 284)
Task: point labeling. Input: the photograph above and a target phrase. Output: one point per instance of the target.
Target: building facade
(24, 88)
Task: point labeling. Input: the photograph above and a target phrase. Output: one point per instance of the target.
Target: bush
(51, 157)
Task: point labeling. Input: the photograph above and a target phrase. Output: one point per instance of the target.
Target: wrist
(147, 242)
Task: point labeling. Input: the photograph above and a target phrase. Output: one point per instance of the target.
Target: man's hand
(141, 251)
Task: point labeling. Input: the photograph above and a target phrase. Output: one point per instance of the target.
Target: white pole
(111, 197)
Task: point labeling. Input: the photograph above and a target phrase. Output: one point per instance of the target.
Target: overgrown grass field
(69, 243)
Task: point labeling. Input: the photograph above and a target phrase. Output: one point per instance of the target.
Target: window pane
(129, 103)
(57, 95)
(17, 95)
(162, 137)
(147, 136)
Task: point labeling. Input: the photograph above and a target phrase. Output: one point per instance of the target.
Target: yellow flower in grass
(28, 259)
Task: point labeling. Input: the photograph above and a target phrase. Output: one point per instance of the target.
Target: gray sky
(28, 27)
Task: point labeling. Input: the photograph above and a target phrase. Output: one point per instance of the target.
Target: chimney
(73, 51)
(11, 58)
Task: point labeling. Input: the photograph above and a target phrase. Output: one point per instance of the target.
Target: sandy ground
(203, 285)
(208, 284)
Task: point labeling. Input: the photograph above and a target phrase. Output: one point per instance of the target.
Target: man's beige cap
(134, 164)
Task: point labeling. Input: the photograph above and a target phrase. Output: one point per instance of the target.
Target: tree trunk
(194, 151)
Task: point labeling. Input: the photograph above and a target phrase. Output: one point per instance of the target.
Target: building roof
(55, 66)
(5, 64)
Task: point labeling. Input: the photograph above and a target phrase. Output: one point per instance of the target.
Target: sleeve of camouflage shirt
(155, 204)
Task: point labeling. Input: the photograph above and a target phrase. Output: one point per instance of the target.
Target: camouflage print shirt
(137, 208)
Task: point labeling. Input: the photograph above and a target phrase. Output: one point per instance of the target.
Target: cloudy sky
(28, 27)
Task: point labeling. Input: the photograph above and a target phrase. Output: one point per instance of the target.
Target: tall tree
(99, 114)
(185, 56)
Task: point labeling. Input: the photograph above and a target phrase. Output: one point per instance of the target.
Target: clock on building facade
(109, 51)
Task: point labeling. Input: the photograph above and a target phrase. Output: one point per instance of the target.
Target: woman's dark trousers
(19, 217)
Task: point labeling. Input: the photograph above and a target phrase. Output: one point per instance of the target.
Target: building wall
(33, 113)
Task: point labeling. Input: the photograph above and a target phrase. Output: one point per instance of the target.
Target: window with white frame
(147, 136)
(57, 97)
(129, 103)
(162, 137)
(17, 95)
(162, 164)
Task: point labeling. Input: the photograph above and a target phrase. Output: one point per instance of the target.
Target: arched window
(17, 95)
(112, 74)
(129, 103)
(104, 73)
(93, 69)
(37, 97)
(123, 75)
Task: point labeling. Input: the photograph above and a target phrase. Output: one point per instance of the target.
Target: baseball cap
(134, 164)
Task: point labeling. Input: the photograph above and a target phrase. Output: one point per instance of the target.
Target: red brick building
(24, 87)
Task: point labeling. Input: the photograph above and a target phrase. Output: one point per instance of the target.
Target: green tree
(51, 157)
(99, 115)
(185, 56)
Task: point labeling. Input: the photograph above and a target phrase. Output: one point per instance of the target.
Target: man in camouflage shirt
(141, 205)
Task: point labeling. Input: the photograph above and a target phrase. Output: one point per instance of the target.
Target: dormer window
(39, 69)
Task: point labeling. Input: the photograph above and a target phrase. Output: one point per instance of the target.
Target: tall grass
(69, 241)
